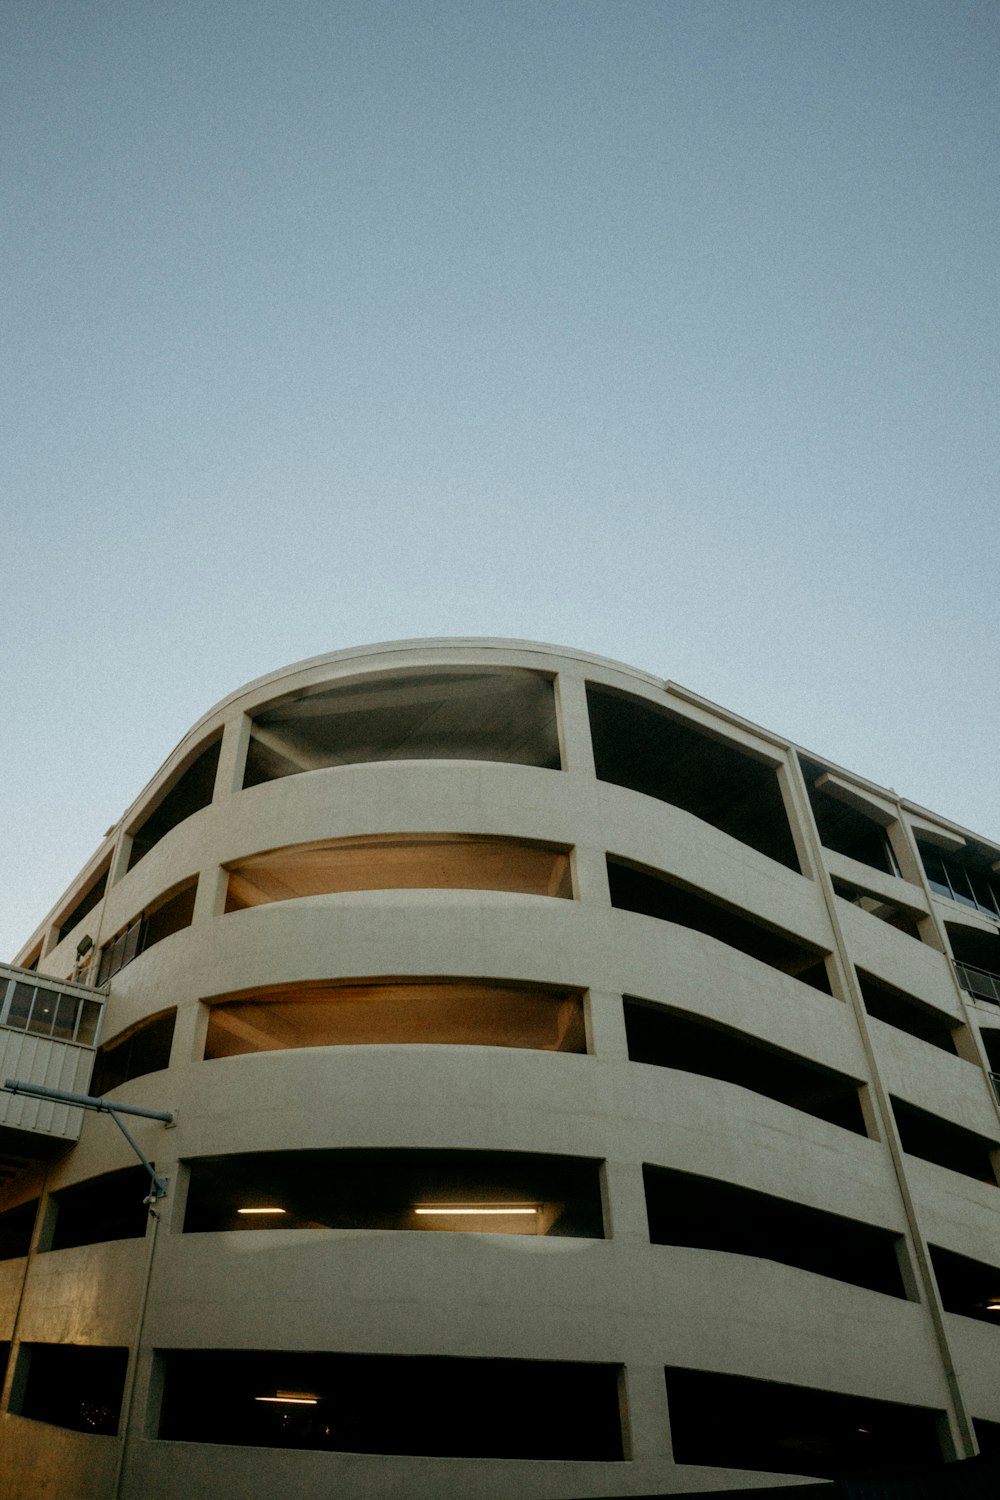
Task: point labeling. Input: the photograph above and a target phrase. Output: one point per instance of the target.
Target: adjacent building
(576, 1090)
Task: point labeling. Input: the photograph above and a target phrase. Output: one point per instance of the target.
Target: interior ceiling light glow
(261, 1210)
(477, 1212)
(291, 1398)
(993, 1305)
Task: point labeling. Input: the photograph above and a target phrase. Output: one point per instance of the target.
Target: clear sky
(664, 330)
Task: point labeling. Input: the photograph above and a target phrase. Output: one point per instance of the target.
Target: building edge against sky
(579, 1091)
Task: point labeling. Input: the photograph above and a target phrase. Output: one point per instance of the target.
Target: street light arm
(158, 1188)
(85, 1101)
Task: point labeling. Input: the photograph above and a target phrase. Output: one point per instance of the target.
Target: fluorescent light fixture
(291, 1398)
(993, 1305)
(477, 1211)
(261, 1211)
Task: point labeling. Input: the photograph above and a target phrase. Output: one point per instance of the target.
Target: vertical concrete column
(147, 1395)
(791, 784)
(959, 1432)
(574, 724)
(590, 876)
(210, 897)
(232, 757)
(120, 858)
(606, 1026)
(904, 847)
(625, 1201)
(189, 1032)
(648, 1416)
(590, 872)
(171, 1209)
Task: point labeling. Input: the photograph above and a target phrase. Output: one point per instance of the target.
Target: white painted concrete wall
(622, 1299)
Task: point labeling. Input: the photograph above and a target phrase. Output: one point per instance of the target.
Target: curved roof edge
(371, 652)
(423, 643)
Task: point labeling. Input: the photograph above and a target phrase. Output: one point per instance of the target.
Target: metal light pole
(157, 1190)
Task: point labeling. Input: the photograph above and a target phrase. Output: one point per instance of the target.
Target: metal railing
(979, 982)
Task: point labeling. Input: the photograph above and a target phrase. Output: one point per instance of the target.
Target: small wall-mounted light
(261, 1211)
(993, 1305)
(291, 1398)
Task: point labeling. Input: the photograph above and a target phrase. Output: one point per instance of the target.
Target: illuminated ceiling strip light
(283, 1400)
(261, 1211)
(476, 1212)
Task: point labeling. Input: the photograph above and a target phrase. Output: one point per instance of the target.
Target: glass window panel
(960, 887)
(984, 894)
(131, 943)
(86, 1028)
(937, 876)
(65, 1017)
(104, 972)
(43, 1012)
(118, 952)
(20, 1006)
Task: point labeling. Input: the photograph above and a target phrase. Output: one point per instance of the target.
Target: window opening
(485, 1192)
(73, 1385)
(978, 889)
(886, 911)
(674, 1039)
(845, 829)
(141, 1049)
(85, 903)
(149, 927)
(506, 715)
(654, 894)
(709, 1215)
(990, 1038)
(191, 791)
(400, 862)
(896, 1008)
(734, 1422)
(379, 1403)
(649, 749)
(16, 1228)
(946, 1145)
(977, 960)
(967, 1287)
(433, 1012)
(987, 1436)
(109, 1207)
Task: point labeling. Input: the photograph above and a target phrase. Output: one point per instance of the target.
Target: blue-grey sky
(665, 330)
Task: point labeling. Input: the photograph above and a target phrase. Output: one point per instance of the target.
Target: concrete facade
(321, 919)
